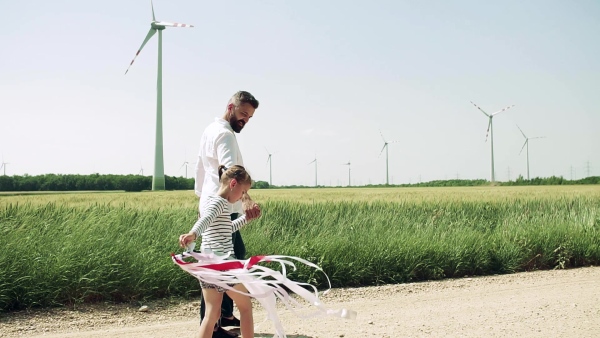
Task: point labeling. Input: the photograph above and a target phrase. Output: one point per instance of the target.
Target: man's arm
(227, 150)
(199, 179)
(228, 154)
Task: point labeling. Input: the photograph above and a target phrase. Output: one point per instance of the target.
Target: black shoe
(226, 322)
(222, 333)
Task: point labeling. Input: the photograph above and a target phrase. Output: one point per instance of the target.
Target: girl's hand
(186, 239)
(253, 213)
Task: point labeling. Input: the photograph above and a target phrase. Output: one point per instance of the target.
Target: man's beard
(236, 125)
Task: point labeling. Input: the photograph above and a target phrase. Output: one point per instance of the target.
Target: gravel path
(559, 303)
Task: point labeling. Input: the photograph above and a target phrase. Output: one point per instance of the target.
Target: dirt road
(561, 303)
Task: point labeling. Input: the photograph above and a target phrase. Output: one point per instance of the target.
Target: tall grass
(66, 249)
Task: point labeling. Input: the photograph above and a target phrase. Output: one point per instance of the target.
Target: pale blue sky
(329, 75)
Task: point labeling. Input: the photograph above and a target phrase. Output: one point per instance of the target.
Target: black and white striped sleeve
(213, 210)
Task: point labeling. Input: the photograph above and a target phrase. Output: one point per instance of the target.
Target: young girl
(215, 227)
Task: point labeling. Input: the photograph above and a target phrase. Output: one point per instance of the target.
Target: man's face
(240, 115)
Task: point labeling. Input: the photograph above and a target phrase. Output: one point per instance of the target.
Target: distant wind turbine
(385, 146)
(141, 172)
(3, 166)
(158, 179)
(490, 131)
(527, 144)
(348, 164)
(185, 164)
(270, 167)
(315, 162)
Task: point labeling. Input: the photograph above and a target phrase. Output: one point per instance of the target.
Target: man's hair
(244, 97)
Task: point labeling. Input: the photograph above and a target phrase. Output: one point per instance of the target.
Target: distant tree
(260, 185)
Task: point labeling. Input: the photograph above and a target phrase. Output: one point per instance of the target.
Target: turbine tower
(315, 162)
(3, 166)
(527, 144)
(385, 146)
(348, 164)
(270, 167)
(158, 179)
(185, 164)
(490, 131)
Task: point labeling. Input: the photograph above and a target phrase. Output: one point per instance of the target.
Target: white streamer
(264, 284)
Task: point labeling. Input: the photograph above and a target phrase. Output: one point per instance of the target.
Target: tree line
(98, 182)
(93, 182)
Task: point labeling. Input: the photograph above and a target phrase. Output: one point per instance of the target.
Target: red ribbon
(225, 265)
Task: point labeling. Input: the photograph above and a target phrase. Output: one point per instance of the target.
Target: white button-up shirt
(218, 146)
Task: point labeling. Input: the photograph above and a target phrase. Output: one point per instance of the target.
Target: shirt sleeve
(227, 150)
(200, 173)
(213, 210)
(239, 222)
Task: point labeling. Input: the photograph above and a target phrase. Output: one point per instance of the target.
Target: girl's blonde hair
(235, 171)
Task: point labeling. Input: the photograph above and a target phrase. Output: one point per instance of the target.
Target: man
(218, 146)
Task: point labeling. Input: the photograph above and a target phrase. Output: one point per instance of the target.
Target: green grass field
(62, 249)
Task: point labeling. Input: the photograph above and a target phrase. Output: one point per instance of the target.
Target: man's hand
(251, 209)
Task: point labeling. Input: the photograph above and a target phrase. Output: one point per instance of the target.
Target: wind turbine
(3, 166)
(315, 162)
(385, 146)
(490, 130)
(527, 144)
(270, 167)
(348, 164)
(158, 179)
(141, 172)
(185, 163)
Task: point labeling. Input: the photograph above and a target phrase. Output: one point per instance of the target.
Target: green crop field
(62, 249)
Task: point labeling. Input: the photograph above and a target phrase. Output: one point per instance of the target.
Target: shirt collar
(224, 123)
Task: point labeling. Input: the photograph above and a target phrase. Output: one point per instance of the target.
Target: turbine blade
(312, 161)
(152, 5)
(487, 132)
(148, 36)
(172, 24)
(383, 138)
(476, 106)
(503, 109)
(521, 131)
(524, 144)
(531, 138)
(384, 145)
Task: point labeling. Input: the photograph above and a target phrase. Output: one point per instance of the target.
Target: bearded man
(218, 146)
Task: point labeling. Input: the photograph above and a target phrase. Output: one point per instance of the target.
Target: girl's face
(237, 190)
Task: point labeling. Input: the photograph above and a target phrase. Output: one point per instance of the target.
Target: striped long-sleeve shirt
(215, 226)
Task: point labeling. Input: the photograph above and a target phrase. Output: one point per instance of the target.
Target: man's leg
(202, 307)
(240, 253)
(239, 248)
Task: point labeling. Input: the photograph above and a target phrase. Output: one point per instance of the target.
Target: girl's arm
(239, 222)
(213, 210)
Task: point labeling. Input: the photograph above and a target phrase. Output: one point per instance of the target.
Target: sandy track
(561, 303)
